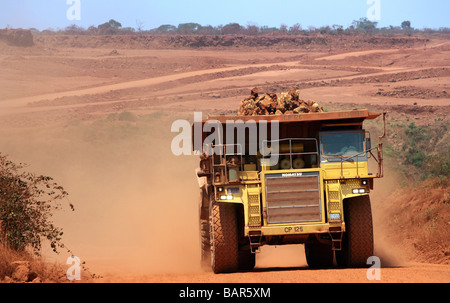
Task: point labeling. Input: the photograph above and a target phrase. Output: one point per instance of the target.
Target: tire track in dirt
(22, 102)
(19, 105)
(133, 84)
(357, 54)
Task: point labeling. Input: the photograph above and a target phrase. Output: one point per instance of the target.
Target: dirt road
(414, 273)
(100, 124)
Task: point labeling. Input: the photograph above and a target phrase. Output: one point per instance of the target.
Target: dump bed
(306, 125)
(356, 115)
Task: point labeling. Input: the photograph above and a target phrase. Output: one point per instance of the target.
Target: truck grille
(293, 197)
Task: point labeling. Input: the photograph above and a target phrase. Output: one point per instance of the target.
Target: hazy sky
(43, 14)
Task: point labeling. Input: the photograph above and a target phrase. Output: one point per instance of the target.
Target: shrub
(422, 151)
(27, 202)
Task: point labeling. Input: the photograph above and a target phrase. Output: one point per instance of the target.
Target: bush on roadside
(421, 152)
(27, 203)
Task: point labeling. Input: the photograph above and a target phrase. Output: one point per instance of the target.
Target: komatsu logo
(291, 175)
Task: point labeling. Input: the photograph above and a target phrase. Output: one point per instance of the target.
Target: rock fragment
(284, 103)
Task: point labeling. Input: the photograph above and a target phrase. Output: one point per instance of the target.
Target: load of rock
(272, 104)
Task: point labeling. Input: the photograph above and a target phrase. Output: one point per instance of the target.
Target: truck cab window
(339, 145)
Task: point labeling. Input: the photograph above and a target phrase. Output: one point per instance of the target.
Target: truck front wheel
(357, 244)
(224, 238)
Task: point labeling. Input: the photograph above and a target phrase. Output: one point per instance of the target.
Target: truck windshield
(342, 144)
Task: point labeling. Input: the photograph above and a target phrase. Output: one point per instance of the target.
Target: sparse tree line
(361, 26)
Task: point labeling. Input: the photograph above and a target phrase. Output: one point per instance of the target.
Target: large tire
(205, 246)
(318, 255)
(357, 244)
(224, 238)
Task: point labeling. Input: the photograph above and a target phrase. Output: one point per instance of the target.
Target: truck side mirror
(368, 144)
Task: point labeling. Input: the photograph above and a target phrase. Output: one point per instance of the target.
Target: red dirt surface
(95, 113)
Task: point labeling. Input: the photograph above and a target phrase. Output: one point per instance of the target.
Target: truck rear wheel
(357, 244)
(224, 238)
(318, 255)
(205, 246)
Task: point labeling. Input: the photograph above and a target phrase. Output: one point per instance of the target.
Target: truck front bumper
(296, 229)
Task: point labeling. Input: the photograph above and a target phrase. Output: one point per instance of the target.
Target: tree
(295, 29)
(268, 30)
(252, 29)
(92, 30)
(27, 202)
(206, 30)
(312, 29)
(166, 28)
(188, 28)
(114, 24)
(338, 29)
(74, 30)
(406, 25)
(325, 30)
(139, 25)
(231, 29)
(365, 25)
(110, 27)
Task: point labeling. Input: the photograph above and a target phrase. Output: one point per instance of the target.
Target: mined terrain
(95, 113)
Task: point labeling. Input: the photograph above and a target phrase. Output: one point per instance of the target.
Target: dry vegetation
(23, 267)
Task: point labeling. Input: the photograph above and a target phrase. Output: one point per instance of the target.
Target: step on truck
(313, 190)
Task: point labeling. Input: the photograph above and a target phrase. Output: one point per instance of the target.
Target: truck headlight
(229, 197)
(358, 190)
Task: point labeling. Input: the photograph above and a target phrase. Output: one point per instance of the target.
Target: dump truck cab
(307, 182)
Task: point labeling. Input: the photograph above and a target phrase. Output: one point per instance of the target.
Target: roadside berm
(17, 37)
(273, 104)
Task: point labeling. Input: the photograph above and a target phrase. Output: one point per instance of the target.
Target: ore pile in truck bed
(273, 104)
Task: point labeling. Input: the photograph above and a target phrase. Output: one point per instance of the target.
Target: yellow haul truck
(316, 193)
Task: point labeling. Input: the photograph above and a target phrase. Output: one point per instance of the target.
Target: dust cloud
(389, 253)
(136, 205)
